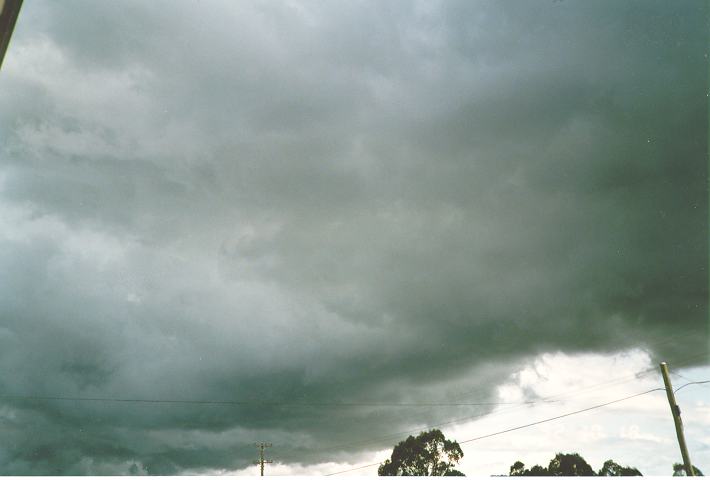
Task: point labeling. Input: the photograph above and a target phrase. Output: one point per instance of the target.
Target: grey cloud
(328, 202)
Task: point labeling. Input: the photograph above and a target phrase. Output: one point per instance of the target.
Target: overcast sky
(347, 202)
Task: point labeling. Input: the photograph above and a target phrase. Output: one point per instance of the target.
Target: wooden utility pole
(261, 446)
(675, 410)
(9, 10)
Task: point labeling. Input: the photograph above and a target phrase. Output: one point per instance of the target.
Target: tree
(563, 465)
(679, 470)
(518, 470)
(571, 465)
(429, 453)
(538, 471)
(613, 469)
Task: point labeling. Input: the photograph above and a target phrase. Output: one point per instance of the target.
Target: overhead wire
(352, 469)
(691, 383)
(660, 342)
(546, 420)
(546, 399)
(674, 373)
(604, 385)
(257, 403)
(514, 405)
(557, 417)
(350, 404)
(527, 425)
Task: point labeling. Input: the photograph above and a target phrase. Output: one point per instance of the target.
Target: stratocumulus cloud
(333, 202)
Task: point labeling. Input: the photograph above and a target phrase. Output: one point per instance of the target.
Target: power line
(547, 399)
(277, 403)
(617, 381)
(405, 432)
(686, 361)
(258, 403)
(557, 417)
(691, 383)
(668, 339)
(352, 469)
(676, 374)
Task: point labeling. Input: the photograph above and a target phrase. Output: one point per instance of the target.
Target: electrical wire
(557, 417)
(352, 469)
(691, 383)
(517, 405)
(685, 378)
(256, 403)
(550, 419)
(658, 343)
(547, 399)
(562, 395)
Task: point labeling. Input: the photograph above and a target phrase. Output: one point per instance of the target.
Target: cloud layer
(333, 202)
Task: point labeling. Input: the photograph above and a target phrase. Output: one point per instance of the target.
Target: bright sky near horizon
(637, 432)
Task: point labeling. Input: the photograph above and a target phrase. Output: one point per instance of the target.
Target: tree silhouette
(518, 470)
(429, 453)
(571, 465)
(613, 469)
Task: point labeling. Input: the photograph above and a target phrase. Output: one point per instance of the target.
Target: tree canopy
(571, 465)
(679, 470)
(613, 469)
(429, 453)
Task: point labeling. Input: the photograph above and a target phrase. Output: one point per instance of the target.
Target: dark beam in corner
(8, 17)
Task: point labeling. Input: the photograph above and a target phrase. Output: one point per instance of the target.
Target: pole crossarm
(261, 446)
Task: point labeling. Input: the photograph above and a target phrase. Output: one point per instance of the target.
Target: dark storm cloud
(330, 202)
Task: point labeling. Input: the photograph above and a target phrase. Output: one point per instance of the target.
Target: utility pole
(9, 10)
(261, 446)
(675, 410)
